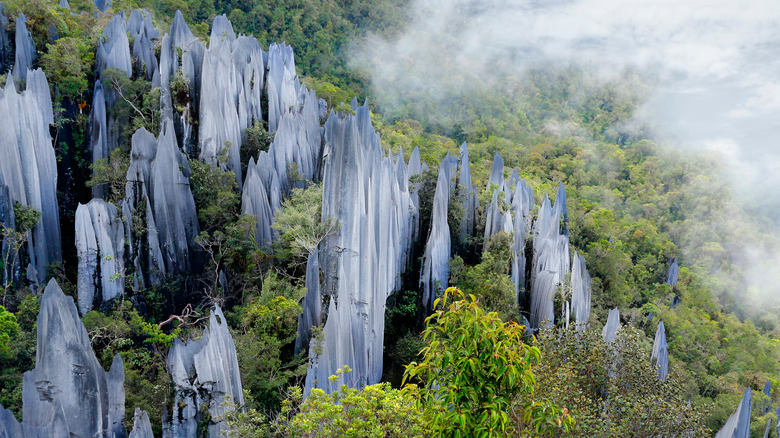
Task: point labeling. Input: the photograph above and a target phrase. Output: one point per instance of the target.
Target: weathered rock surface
(158, 182)
(609, 332)
(5, 43)
(25, 56)
(100, 244)
(738, 424)
(363, 261)
(68, 378)
(98, 128)
(580, 291)
(551, 260)
(113, 49)
(312, 302)
(29, 167)
(282, 83)
(438, 249)
(231, 87)
(57, 425)
(673, 273)
(142, 428)
(660, 355)
(203, 372)
(468, 194)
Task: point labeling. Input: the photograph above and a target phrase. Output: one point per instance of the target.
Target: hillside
(216, 203)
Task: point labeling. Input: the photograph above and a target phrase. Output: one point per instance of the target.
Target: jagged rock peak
(363, 260)
(470, 201)
(660, 356)
(611, 327)
(113, 49)
(282, 84)
(580, 291)
(203, 372)
(142, 428)
(738, 424)
(100, 245)
(29, 167)
(26, 55)
(68, 378)
(435, 267)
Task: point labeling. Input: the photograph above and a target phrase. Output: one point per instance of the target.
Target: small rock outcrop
(673, 272)
(100, 245)
(68, 380)
(580, 292)
(660, 355)
(609, 332)
(142, 428)
(203, 372)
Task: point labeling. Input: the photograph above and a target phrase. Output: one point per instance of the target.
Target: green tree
(476, 375)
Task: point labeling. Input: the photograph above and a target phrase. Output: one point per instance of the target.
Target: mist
(714, 66)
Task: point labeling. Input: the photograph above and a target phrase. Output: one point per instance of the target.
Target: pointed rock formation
(363, 261)
(436, 260)
(312, 303)
(100, 244)
(231, 84)
(738, 424)
(469, 194)
(609, 333)
(98, 130)
(660, 356)
(158, 192)
(282, 85)
(29, 167)
(580, 291)
(673, 272)
(551, 257)
(26, 55)
(203, 372)
(142, 428)
(68, 379)
(113, 49)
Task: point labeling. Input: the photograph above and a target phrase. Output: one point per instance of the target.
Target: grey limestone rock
(158, 180)
(68, 374)
(203, 372)
(738, 424)
(660, 355)
(255, 202)
(142, 428)
(231, 84)
(28, 166)
(5, 43)
(26, 55)
(140, 27)
(98, 131)
(673, 272)
(312, 303)
(57, 426)
(611, 327)
(469, 195)
(580, 291)
(435, 266)
(100, 244)
(362, 262)
(282, 84)
(551, 257)
(113, 49)
(102, 5)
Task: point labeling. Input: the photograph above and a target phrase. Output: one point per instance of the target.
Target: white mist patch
(717, 63)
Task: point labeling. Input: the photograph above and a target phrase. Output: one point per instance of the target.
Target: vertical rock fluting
(113, 51)
(100, 245)
(68, 379)
(438, 248)
(660, 355)
(551, 260)
(5, 43)
(738, 424)
(181, 53)
(580, 292)
(158, 193)
(468, 193)
(142, 428)
(98, 131)
(25, 55)
(203, 372)
(57, 426)
(282, 83)
(363, 261)
(609, 332)
(29, 167)
(231, 87)
(143, 32)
